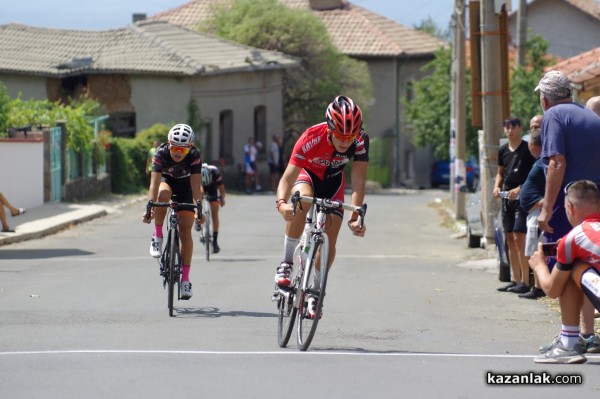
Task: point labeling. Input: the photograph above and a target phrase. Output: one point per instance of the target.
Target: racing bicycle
(307, 281)
(206, 229)
(170, 260)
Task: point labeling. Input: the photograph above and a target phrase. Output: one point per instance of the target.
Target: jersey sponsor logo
(310, 144)
(299, 156)
(595, 226)
(320, 161)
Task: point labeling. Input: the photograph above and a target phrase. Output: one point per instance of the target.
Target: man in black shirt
(514, 163)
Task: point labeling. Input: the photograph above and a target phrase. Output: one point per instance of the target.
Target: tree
(524, 102)
(324, 72)
(429, 112)
(4, 108)
(428, 25)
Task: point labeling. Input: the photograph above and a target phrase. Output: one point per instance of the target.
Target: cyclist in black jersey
(176, 173)
(214, 190)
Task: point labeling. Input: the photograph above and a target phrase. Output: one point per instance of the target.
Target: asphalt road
(83, 314)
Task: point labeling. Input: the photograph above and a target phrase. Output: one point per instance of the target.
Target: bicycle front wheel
(207, 236)
(313, 285)
(285, 305)
(172, 270)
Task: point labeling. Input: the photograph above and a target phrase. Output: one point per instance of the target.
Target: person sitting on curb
(575, 272)
(13, 212)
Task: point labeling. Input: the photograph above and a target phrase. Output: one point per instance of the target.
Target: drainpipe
(398, 146)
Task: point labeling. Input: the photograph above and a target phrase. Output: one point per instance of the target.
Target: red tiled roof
(353, 30)
(590, 7)
(582, 68)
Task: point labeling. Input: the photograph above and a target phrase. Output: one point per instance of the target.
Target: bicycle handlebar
(330, 204)
(173, 205)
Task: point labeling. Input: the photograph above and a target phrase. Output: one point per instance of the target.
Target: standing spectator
(570, 148)
(13, 212)
(514, 163)
(531, 199)
(251, 178)
(274, 161)
(594, 104)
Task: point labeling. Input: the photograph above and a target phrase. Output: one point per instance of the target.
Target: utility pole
(460, 174)
(492, 111)
(521, 32)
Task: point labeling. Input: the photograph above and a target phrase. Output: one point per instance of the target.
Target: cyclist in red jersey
(316, 168)
(577, 269)
(176, 172)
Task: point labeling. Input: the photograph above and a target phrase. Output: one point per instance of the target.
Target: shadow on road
(213, 312)
(42, 253)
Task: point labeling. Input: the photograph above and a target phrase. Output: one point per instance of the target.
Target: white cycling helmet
(206, 175)
(181, 134)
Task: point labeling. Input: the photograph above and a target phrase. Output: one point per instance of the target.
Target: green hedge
(128, 159)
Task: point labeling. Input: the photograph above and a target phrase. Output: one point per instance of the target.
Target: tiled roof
(353, 30)
(148, 47)
(582, 68)
(590, 7)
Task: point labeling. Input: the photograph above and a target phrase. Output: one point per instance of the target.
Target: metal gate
(55, 163)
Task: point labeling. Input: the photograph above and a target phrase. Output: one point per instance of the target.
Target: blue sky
(109, 14)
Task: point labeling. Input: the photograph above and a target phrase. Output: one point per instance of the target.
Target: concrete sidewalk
(55, 216)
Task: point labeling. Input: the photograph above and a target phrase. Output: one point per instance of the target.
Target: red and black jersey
(164, 163)
(315, 153)
(581, 243)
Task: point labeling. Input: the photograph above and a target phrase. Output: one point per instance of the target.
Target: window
(122, 124)
(226, 136)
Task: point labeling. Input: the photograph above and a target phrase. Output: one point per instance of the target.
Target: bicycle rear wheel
(172, 277)
(313, 284)
(207, 236)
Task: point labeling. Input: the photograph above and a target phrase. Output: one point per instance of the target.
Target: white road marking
(268, 353)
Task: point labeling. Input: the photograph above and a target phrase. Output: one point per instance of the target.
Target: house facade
(394, 55)
(148, 73)
(570, 27)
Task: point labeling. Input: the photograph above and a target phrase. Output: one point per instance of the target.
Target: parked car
(440, 172)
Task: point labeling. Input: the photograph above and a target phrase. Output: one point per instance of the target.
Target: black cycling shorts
(181, 188)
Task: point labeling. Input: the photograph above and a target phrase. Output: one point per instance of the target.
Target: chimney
(322, 5)
(137, 16)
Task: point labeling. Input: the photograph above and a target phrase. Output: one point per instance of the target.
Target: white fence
(22, 176)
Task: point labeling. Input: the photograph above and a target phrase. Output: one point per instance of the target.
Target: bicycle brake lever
(361, 215)
(148, 209)
(295, 199)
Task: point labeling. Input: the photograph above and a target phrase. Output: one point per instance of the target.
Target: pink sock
(185, 272)
(158, 230)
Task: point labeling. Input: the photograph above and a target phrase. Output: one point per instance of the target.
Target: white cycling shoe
(186, 290)
(156, 247)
